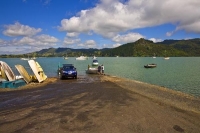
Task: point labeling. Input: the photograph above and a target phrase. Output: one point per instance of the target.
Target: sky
(31, 25)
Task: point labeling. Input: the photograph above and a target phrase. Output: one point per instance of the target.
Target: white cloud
(18, 29)
(116, 45)
(18, 50)
(156, 40)
(25, 41)
(110, 17)
(88, 44)
(47, 38)
(170, 33)
(37, 41)
(130, 37)
(69, 41)
(72, 34)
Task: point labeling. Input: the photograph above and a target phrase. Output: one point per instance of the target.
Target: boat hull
(37, 70)
(95, 64)
(92, 71)
(24, 73)
(150, 66)
(6, 70)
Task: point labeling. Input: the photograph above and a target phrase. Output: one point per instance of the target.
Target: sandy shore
(97, 103)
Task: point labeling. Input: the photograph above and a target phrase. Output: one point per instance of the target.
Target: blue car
(68, 70)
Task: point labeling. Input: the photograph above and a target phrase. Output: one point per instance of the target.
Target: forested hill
(140, 48)
(143, 48)
(191, 46)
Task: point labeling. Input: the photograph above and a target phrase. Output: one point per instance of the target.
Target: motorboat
(95, 62)
(92, 70)
(150, 65)
(82, 58)
(166, 58)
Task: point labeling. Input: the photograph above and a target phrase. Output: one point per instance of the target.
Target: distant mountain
(66, 52)
(140, 48)
(144, 48)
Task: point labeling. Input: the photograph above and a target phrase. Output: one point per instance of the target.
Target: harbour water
(177, 73)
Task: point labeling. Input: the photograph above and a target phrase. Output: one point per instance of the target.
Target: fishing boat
(150, 66)
(95, 62)
(82, 58)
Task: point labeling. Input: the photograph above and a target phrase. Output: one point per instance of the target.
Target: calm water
(178, 73)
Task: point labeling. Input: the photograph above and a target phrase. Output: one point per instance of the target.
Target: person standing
(99, 69)
(102, 68)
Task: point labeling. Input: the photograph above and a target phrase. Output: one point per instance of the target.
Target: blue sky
(32, 25)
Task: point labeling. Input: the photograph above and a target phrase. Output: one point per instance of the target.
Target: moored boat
(24, 58)
(166, 58)
(95, 62)
(82, 58)
(150, 65)
(154, 56)
(94, 57)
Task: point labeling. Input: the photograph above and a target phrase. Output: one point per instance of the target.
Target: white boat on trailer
(92, 70)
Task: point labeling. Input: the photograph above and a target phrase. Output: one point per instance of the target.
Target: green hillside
(140, 48)
(191, 47)
(143, 48)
